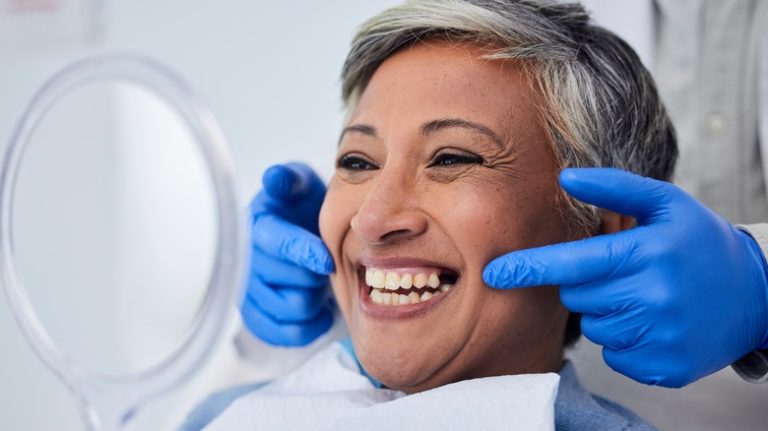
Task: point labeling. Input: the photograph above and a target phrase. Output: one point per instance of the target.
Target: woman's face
(444, 165)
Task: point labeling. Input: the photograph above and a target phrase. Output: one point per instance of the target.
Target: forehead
(442, 79)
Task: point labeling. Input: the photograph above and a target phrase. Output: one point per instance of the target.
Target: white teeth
(377, 279)
(380, 296)
(376, 296)
(404, 299)
(392, 282)
(414, 298)
(385, 286)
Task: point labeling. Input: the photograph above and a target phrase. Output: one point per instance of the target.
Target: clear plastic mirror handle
(109, 402)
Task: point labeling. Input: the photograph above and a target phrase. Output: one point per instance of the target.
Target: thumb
(620, 191)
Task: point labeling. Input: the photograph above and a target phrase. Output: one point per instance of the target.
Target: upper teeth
(383, 280)
(393, 281)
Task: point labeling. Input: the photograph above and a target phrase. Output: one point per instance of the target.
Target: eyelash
(356, 163)
(352, 162)
(451, 159)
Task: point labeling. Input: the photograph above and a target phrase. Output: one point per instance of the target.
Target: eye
(353, 162)
(452, 159)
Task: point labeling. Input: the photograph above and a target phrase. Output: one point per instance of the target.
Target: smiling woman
(461, 115)
(437, 134)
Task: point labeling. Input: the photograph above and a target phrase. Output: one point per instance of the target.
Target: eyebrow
(364, 129)
(448, 123)
(431, 127)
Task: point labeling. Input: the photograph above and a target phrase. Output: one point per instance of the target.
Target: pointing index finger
(289, 182)
(567, 263)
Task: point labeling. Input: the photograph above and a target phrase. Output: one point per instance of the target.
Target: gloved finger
(284, 273)
(279, 333)
(289, 182)
(656, 370)
(600, 297)
(646, 199)
(568, 263)
(293, 192)
(618, 331)
(279, 238)
(284, 304)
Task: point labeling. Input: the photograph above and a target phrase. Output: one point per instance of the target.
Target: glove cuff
(758, 241)
(753, 367)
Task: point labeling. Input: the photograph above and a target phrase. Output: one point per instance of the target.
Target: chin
(407, 370)
(408, 381)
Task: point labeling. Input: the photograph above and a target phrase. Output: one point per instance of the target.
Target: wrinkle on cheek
(507, 166)
(504, 177)
(503, 180)
(450, 175)
(501, 169)
(509, 154)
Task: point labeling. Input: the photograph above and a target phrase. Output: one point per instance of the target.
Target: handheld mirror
(121, 237)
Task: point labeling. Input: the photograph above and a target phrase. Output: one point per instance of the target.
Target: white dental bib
(329, 393)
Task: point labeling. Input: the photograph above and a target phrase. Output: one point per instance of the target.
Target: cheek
(525, 313)
(335, 216)
(513, 216)
(326, 222)
(503, 217)
(525, 327)
(334, 219)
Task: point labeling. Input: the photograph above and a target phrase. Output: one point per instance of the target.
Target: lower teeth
(380, 296)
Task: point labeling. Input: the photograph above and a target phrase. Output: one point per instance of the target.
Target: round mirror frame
(109, 401)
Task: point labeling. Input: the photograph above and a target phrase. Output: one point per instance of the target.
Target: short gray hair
(600, 104)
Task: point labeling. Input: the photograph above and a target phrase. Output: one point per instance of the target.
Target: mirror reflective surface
(114, 226)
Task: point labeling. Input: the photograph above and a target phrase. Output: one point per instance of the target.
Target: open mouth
(405, 286)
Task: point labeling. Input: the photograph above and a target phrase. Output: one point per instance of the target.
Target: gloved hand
(672, 300)
(286, 301)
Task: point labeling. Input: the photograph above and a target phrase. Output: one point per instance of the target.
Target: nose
(390, 211)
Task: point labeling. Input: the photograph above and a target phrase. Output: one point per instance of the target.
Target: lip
(400, 262)
(397, 312)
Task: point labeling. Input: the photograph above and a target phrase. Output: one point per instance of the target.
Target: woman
(461, 116)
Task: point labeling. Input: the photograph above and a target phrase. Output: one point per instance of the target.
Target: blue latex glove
(286, 301)
(672, 300)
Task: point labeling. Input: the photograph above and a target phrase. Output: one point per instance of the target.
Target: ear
(611, 222)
